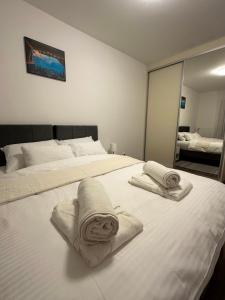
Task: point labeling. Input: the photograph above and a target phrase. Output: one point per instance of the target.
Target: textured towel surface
(165, 176)
(96, 221)
(64, 217)
(146, 182)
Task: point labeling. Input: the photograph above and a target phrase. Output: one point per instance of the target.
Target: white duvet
(203, 144)
(172, 259)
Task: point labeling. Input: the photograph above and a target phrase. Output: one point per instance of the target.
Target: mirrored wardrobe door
(200, 138)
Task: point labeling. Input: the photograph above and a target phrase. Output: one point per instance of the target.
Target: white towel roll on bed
(64, 217)
(96, 220)
(165, 176)
(149, 184)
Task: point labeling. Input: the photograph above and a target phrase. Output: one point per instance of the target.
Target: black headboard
(15, 134)
(64, 132)
(184, 128)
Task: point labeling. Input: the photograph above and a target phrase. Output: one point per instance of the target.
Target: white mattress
(172, 259)
(183, 144)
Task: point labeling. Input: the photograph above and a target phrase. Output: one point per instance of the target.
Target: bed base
(212, 159)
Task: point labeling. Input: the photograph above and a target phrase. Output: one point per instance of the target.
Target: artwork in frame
(44, 60)
(183, 102)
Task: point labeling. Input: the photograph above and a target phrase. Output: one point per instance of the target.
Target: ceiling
(148, 30)
(198, 72)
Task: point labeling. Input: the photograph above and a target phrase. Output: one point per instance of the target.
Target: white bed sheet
(172, 259)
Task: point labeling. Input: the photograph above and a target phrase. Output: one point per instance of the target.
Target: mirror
(201, 125)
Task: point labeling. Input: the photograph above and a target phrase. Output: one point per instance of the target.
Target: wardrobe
(162, 113)
(162, 116)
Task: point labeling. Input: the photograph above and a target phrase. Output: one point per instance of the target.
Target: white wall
(201, 111)
(188, 115)
(103, 87)
(208, 112)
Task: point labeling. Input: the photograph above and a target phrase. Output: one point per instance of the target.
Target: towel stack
(161, 180)
(92, 225)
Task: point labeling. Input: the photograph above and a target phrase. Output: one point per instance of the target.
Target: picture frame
(183, 102)
(44, 60)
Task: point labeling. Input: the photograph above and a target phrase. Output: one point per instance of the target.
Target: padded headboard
(184, 128)
(15, 134)
(64, 132)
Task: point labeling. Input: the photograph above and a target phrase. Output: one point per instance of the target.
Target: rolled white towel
(96, 220)
(64, 217)
(146, 182)
(149, 184)
(165, 176)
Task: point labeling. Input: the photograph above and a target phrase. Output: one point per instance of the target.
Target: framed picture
(183, 102)
(44, 60)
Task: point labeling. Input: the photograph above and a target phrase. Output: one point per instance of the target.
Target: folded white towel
(165, 176)
(146, 182)
(96, 221)
(64, 218)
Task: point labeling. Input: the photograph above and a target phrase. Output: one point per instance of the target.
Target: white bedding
(172, 259)
(183, 144)
(202, 144)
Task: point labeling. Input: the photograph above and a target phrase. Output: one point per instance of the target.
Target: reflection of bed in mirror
(201, 149)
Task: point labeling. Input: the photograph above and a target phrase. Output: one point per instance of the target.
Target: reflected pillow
(181, 136)
(191, 136)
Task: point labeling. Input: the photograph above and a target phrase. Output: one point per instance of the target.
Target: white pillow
(191, 136)
(42, 154)
(89, 148)
(75, 141)
(181, 136)
(14, 155)
(196, 135)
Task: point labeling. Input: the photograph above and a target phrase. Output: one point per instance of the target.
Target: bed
(209, 155)
(173, 258)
